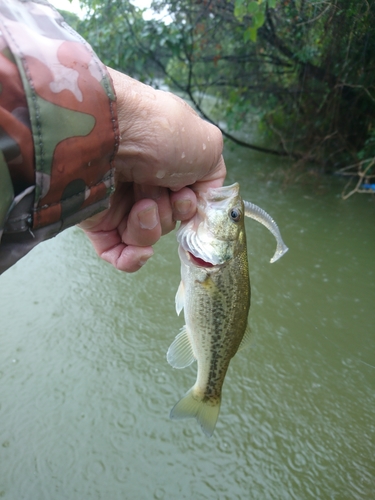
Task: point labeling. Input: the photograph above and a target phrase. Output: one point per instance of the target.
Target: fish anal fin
(246, 339)
(180, 298)
(191, 406)
(180, 353)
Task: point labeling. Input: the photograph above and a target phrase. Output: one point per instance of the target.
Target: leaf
(250, 34)
(239, 9)
(258, 19)
(253, 8)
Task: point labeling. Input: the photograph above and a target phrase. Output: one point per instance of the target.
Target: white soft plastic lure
(264, 218)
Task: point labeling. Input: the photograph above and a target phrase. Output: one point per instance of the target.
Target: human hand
(166, 154)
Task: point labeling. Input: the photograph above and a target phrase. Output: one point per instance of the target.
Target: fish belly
(216, 308)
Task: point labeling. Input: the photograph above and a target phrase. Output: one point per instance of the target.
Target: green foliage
(123, 40)
(255, 10)
(304, 69)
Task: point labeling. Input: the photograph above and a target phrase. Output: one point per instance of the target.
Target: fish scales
(215, 295)
(216, 318)
(216, 298)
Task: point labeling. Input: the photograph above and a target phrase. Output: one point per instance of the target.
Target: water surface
(86, 389)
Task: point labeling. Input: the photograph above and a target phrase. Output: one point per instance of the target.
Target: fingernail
(148, 218)
(183, 206)
(142, 261)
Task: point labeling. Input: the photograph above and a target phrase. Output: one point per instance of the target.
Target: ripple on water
(55, 456)
(94, 469)
(297, 461)
(50, 398)
(123, 473)
(84, 412)
(319, 456)
(159, 494)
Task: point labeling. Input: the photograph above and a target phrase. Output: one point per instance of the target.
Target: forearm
(59, 128)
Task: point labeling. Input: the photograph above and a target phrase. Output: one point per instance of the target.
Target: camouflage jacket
(58, 128)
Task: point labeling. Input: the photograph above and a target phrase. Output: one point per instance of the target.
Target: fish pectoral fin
(180, 298)
(206, 412)
(246, 339)
(180, 353)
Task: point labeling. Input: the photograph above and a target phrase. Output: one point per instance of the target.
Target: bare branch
(362, 175)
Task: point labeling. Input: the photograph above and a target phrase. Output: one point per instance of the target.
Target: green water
(86, 389)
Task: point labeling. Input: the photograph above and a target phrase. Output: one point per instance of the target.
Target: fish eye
(235, 214)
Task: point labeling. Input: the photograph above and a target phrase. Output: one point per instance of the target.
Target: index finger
(214, 179)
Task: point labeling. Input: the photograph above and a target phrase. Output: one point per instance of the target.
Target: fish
(214, 293)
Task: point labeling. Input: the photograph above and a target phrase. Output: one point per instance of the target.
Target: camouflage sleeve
(58, 128)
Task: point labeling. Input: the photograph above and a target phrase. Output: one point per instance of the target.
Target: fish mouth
(198, 261)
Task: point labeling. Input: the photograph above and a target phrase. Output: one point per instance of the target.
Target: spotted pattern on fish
(215, 295)
(216, 298)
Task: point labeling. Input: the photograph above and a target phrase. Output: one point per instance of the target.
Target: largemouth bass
(215, 295)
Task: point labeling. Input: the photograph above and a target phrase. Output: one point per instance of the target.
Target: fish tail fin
(206, 412)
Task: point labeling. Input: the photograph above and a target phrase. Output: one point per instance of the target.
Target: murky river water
(86, 389)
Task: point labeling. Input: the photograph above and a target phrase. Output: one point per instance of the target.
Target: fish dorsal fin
(180, 298)
(180, 353)
(246, 339)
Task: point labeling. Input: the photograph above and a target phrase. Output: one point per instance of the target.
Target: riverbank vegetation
(301, 72)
